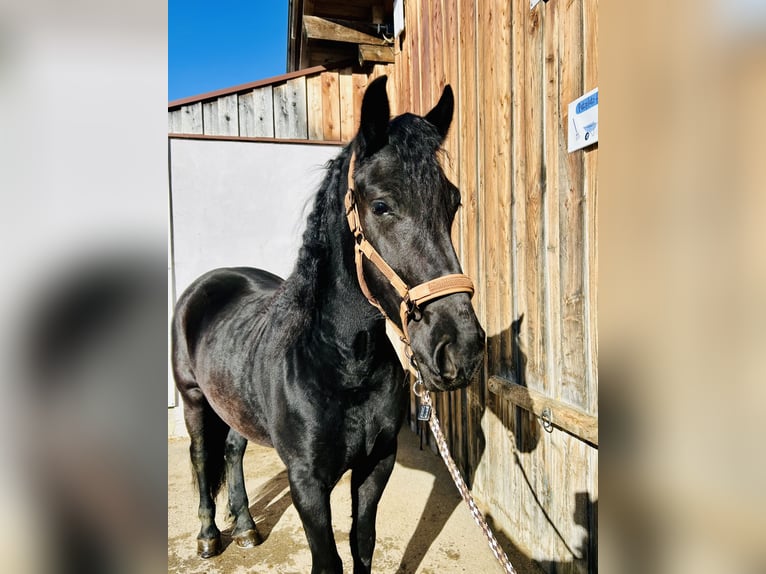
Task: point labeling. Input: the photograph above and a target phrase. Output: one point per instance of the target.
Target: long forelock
(418, 145)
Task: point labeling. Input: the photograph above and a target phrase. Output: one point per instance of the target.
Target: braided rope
(478, 517)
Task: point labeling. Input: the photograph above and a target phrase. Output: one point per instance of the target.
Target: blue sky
(213, 45)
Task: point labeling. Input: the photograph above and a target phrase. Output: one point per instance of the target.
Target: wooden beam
(566, 417)
(323, 29)
(377, 54)
(255, 139)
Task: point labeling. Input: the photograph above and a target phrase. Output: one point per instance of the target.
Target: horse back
(205, 303)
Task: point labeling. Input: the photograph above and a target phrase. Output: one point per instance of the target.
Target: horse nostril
(444, 359)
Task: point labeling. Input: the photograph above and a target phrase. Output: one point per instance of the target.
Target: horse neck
(340, 319)
(343, 311)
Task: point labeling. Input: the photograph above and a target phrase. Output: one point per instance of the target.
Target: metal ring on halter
(419, 388)
(413, 310)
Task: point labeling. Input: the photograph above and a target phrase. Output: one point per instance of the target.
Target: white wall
(240, 203)
(237, 203)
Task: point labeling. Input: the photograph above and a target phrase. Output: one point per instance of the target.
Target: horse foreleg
(367, 483)
(312, 500)
(245, 534)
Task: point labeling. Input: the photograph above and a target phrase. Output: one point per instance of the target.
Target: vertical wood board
(263, 107)
(290, 111)
(314, 107)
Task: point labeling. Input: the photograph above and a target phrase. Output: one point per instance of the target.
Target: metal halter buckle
(413, 310)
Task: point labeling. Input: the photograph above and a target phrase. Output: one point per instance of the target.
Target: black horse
(305, 364)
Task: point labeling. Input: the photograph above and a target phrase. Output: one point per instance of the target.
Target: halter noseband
(412, 297)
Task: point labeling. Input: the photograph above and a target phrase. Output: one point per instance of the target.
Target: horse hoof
(248, 539)
(208, 547)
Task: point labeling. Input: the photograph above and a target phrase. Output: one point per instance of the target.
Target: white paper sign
(398, 17)
(533, 3)
(583, 121)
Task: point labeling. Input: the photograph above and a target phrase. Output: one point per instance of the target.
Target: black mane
(298, 297)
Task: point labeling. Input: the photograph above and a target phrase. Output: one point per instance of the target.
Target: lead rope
(428, 413)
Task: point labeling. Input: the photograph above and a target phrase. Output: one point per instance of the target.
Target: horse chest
(363, 427)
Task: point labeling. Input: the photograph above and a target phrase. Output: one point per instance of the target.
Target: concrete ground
(423, 526)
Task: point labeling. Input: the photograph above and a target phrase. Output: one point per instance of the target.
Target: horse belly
(240, 412)
(236, 385)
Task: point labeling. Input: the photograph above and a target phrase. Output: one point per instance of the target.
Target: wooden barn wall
(527, 235)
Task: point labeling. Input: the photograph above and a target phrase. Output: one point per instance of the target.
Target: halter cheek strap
(412, 299)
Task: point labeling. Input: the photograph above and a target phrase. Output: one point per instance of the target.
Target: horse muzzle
(448, 343)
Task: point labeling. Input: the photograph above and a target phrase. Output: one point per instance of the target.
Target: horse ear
(373, 126)
(441, 115)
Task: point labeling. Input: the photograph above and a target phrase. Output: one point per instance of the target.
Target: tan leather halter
(412, 297)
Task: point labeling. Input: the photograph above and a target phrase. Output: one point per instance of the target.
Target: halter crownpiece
(412, 297)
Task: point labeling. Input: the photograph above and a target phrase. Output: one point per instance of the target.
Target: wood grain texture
(347, 127)
(575, 421)
(263, 107)
(317, 28)
(590, 157)
(290, 112)
(571, 218)
(210, 118)
(314, 107)
(174, 122)
(331, 124)
(228, 115)
(534, 326)
(375, 54)
(191, 119)
(246, 115)
(471, 255)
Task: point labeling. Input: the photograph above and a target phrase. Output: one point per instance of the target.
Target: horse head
(406, 206)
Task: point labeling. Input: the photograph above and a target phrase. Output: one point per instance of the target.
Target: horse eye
(379, 208)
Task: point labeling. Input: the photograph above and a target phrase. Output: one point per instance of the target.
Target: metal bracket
(547, 420)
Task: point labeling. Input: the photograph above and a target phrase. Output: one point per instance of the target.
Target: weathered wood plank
(413, 10)
(263, 109)
(190, 119)
(495, 77)
(317, 28)
(571, 209)
(375, 54)
(314, 107)
(346, 83)
(590, 154)
(552, 142)
(174, 122)
(246, 115)
(566, 417)
(242, 88)
(331, 123)
(432, 21)
(534, 325)
(210, 118)
(467, 128)
(290, 112)
(452, 169)
(359, 86)
(228, 116)
(518, 248)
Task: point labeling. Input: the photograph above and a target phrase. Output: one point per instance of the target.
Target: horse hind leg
(208, 437)
(245, 534)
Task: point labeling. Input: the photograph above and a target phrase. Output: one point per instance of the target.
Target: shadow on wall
(527, 435)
